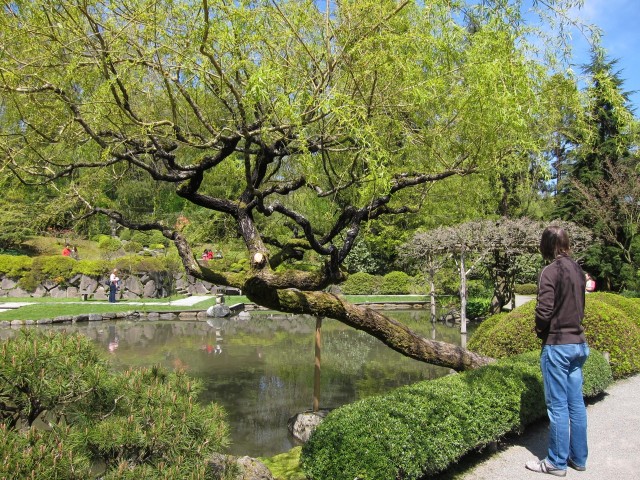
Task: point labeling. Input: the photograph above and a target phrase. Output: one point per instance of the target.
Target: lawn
(48, 307)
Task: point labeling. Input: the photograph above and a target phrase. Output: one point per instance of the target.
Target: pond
(261, 369)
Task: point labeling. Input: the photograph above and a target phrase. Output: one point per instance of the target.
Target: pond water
(261, 369)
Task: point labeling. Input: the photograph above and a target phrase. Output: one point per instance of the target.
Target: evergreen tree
(601, 145)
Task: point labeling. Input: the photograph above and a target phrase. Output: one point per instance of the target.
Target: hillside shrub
(141, 423)
(31, 272)
(92, 268)
(132, 247)
(526, 289)
(15, 266)
(423, 428)
(611, 325)
(109, 246)
(361, 283)
(396, 283)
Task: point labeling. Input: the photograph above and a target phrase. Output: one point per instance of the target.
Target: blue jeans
(562, 375)
(112, 292)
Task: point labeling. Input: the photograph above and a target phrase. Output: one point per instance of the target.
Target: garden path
(613, 433)
(183, 302)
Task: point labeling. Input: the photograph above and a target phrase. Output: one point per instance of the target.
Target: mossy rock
(611, 324)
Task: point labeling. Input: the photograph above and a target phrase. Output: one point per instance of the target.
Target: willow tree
(300, 121)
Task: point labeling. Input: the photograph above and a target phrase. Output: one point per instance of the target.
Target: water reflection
(261, 369)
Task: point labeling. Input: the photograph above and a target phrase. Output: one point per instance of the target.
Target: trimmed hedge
(526, 289)
(423, 428)
(611, 324)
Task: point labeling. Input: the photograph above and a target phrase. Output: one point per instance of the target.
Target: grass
(285, 466)
(48, 307)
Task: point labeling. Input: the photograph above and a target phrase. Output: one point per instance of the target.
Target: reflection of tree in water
(345, 352)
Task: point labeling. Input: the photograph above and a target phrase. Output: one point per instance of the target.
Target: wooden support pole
(316, 376)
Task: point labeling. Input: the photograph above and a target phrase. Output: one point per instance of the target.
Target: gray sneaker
(541, 466)
(573, 465)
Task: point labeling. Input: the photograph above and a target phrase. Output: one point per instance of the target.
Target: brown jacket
(560, 307)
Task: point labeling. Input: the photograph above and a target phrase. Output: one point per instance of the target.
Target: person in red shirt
(66, 251)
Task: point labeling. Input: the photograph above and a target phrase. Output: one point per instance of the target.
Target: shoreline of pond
(192, 314)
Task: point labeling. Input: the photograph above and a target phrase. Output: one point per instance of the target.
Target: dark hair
(554, 242)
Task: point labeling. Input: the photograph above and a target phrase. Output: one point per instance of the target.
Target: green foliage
(423, 428)
(526, 289)
(55, 268)
(478, 307)
(479, 288)
(285, 466)
(360, 259)
(361, 283)
(395, 283)
(15, 266)
(597, 374)
(92, 268)
(109, 246)
(143, 423)
(611, 325)
(149, 238)
(132, 247)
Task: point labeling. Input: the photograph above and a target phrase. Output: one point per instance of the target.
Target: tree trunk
(432, 298)
(316, 372)
(463, 295)
(392, 333)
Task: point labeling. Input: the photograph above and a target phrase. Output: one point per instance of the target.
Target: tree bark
(392, 333)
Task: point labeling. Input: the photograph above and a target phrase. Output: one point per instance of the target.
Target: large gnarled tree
(299, 120)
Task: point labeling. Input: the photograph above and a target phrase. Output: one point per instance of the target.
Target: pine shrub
(140, 423)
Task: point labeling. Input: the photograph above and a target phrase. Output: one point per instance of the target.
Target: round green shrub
(361, 283)
(132, 247)
(395, 283)
(109, 245)
(608, 328)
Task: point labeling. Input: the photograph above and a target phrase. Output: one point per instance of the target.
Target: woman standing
(113, 285)
(559, 314)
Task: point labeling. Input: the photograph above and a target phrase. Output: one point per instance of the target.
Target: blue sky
(619, 21)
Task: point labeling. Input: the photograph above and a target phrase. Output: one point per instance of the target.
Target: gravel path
(614, 442)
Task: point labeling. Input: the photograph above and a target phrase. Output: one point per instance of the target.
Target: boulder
(18, 292)
(150, 290)
(301, 425)
(88, 284)
(133, 284)
(7, 284)
(218, 310)
(237, 468)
